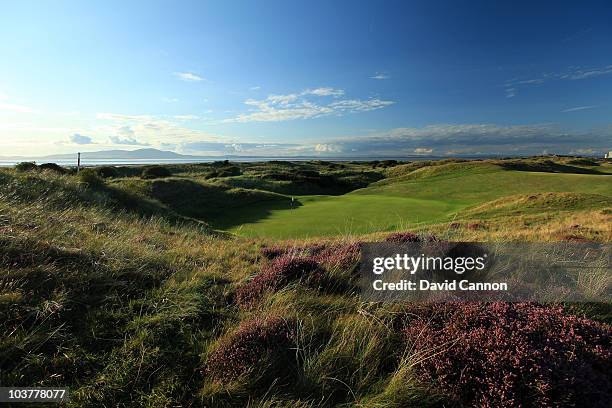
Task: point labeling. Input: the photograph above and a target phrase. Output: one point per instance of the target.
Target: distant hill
(139, 154)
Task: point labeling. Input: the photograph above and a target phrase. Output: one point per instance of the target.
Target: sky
(306, 78)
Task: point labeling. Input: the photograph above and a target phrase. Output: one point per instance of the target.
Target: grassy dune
(125, 290)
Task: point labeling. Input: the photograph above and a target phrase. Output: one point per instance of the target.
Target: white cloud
(423, 150)
(302, 105)
(126, 136)
(380, 76)
(359, 105)
(324, 92)
(13, 107)
(328, 148)
(123, 117)
(80, 139)
(579, 108)
(188, 76)
(276, 99)
(16, 108)
(572, 74)
(255, 88)
(150, 130)
(585, 73)
(186, 117)
(585, 151)
(126, 141)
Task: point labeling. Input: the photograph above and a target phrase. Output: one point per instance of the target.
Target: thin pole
(78, 162)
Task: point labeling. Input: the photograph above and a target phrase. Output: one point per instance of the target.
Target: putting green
(348, 214)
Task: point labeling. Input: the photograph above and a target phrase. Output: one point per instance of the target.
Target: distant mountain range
(140, 154)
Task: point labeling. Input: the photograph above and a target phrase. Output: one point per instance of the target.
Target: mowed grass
(425, 196)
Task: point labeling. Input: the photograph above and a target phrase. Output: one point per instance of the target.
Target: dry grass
(125, 304)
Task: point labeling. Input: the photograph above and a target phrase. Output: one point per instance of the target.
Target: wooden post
(78, 162)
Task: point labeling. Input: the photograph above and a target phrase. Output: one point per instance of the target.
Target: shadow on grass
(220, 206)
(545, 166)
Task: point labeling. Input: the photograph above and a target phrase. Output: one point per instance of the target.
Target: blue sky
(306, 78)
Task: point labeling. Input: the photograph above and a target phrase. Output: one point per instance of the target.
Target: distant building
(608, 155)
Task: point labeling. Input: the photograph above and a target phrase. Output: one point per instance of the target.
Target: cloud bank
(308, 104)
(433, 140)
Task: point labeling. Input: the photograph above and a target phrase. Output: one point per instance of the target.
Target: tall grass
(113, 294)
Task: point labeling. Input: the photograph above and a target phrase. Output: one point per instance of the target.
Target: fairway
(397, 203)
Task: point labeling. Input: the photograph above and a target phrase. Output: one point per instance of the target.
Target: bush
(509, 354)
(107, 172)
(407, 237)
(277, 274)
(153, 172)
(26, 166)
(403, 238)
(342, 256)
(582, 162)
(53, 167)
(229, 171)
(91, 178)
(257, 343)
(330, 255)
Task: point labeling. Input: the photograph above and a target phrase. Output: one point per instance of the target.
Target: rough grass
(131, 301)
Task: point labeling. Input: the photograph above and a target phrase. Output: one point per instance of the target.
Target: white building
(608, 155)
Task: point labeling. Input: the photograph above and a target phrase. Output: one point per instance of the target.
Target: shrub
(508, 354)
(258, 343)
(53, 167)
(340, 256)
(90, 177)
(330, 255)
(26, 166)
(107, 172)
(403, 238)
(229, 171)
(582, 162)
(407, 237)
(277, 274)
(273, 251)
(155, 172)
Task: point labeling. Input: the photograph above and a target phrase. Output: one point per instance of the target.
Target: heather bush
(277, 274)
(403, 238)
(508, 354)
(154, 172)
(271, 252)
(336, 255)
(339, 256)
(261, 343)
(229, 171)
(108, 172)
(26, 166)
(52, 167)
(91, 178)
